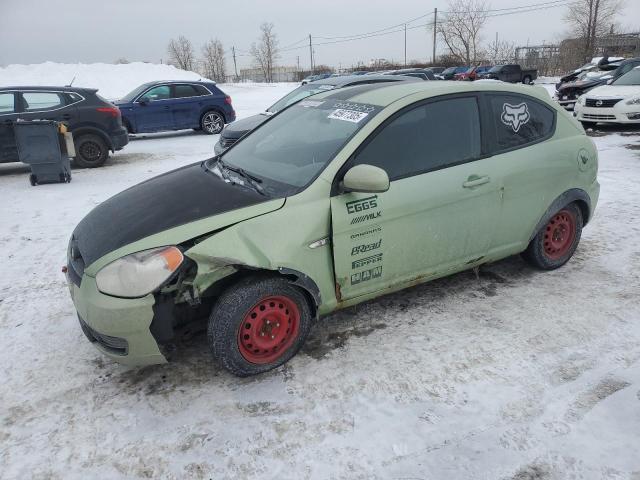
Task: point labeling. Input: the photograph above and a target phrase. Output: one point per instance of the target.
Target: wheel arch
(577, 195)
(80, 131)
(295, 277)
(210, 108)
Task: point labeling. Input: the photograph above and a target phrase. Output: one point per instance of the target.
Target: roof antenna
(72, 80)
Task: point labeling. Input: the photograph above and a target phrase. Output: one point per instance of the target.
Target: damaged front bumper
(118, 327)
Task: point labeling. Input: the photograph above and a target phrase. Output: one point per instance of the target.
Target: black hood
(582, 84)
(181, 196)
(238, 128)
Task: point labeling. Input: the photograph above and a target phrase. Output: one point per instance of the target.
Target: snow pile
(113, 81)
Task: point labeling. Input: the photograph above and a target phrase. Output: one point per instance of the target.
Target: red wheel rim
(559, 234)
(268, 330)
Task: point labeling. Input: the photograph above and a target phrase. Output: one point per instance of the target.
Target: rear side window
(428, 137)
(37, 101)
(519, 121)
(184, 91)
(201, 90)
(6, 103)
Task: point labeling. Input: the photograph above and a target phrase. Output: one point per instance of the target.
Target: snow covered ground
(517, 374)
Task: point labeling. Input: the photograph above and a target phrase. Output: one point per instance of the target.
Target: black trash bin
(8, 148)
(41, 144)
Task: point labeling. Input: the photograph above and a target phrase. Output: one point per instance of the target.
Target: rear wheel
(258, 325)
(557, 240)
(526, 80)
(91, 151)
(212, 122)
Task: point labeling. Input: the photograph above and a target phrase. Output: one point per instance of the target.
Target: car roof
(347, 79)
(45, 88)
(386, 94)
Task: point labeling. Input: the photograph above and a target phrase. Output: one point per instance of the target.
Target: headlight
(633, 101)
(582, 100)
(140, 273)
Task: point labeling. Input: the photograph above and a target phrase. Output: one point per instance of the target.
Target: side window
(184, 91)
(429, 137)
(519, 120)
(38, 101)
(161, 92)
(202, 90)
(6, 103)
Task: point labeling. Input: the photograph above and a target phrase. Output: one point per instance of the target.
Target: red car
(473, 73)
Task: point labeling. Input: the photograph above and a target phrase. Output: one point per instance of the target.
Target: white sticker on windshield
(310, 103)
(347, 115)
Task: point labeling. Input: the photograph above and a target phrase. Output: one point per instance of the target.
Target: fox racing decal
(515, 116)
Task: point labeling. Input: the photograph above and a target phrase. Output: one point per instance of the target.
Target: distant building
(280, 74)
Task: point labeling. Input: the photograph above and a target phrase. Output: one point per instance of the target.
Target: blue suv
(176, 105)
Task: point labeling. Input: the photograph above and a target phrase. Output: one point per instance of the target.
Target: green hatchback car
(333, 201)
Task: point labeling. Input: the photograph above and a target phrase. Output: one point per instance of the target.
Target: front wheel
(557, 240)
(258, 325)
(212, 122)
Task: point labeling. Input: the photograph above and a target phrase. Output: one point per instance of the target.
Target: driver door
(153, 110)
(441, 208)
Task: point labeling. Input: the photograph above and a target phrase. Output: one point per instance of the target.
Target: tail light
(113, 111)
(227, 100)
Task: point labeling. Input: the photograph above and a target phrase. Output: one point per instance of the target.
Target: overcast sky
(70, 31)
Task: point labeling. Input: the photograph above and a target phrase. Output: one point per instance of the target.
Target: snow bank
(113, 81)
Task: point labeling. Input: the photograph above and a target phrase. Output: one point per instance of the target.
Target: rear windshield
(497, 68)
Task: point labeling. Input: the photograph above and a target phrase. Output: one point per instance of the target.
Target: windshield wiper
(251, 179)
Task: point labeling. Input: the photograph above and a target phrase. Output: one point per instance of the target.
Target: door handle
(475, 181)
(66, 116)
(166, 107)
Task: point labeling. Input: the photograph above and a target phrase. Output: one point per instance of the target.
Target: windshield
(449, 70)
(294, 146)
(134, 93)
(297, 95)
(632, 77)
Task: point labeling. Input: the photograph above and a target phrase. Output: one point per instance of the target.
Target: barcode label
(347, 115)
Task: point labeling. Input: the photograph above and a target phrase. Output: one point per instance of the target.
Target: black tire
(33, 180)
(91, 151)
(588, 125)
(233, 314)
(556, 242)
(212, 122)
(526, 80)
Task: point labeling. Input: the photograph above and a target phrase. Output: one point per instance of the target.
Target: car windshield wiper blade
(252, 179)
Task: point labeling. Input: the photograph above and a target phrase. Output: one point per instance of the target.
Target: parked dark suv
(176, 105)
(95, 123)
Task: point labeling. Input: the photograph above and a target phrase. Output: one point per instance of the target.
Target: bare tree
(460, 29)
(213, 61)
(181, 53)
(265, 51)
(590, 19)
(501, 51)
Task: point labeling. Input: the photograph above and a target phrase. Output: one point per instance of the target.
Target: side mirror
(365, 179)
(143, 101)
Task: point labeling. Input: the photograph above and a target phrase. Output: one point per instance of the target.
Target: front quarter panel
(278, 240)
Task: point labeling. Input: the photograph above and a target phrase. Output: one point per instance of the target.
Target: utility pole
(435, 32)
(405, 45)
(311, 54)
(235, 65)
